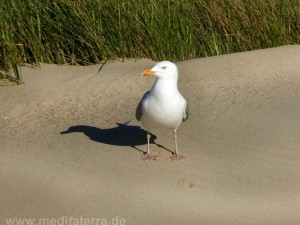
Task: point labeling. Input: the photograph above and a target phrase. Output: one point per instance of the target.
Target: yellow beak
(148, 73)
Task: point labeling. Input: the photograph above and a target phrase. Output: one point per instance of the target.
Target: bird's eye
(164, 67)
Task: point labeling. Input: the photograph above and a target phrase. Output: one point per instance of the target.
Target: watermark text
(66, 220)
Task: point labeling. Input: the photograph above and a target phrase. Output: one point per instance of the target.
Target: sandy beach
(70, 144)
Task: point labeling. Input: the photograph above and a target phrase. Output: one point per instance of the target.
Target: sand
(71, 146)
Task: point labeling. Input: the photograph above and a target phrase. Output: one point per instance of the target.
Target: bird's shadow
(121, 135)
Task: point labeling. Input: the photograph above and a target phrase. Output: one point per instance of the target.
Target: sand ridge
(70, 144)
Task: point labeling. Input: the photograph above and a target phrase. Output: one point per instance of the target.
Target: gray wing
(186, 113)
(139, 111)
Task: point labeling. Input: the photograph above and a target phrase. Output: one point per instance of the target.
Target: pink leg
(176, 156)
(149, 156)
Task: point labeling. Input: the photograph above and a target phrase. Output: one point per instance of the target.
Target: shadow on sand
(122, 135)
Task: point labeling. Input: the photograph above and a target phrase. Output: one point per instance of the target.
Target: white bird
(163, 106)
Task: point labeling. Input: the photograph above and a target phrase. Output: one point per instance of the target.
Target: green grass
(88, 31)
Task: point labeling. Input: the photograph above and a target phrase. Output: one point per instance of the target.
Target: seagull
(163, 106)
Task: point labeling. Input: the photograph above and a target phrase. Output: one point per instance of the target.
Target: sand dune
(70, 145)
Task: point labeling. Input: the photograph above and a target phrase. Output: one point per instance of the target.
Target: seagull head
(163, 70)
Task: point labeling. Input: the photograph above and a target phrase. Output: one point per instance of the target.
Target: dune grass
(88, 31)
